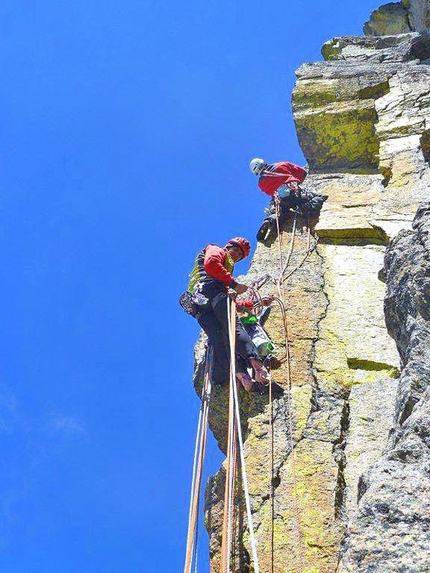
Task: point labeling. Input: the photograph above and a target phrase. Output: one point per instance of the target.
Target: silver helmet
(257, 165)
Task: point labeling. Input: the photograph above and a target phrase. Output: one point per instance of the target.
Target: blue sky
(127, 128)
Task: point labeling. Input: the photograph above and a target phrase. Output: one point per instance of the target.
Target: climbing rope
(280, 285)
(229, 482)
(259, 282)
(291, 440)
(272, 477)
(290, 250)
(234, 439)
(280, 300)
(232, 335)
(278, 229)
(199, 454)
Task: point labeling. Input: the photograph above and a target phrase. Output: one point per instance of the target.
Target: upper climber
(284, 179)
(210, 279)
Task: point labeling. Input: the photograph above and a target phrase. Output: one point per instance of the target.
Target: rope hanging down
(235, 437)
(199, 454)
(280, 284)
(240, 439)
(262, 280)
(281, 293)
(228, 518)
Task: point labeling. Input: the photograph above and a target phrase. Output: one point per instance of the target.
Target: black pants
(307, 201)
(214, 322)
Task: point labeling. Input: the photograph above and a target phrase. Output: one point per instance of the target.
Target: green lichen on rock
(342, 135)
(389, 19)
(368, 104)
(372, 366)
(306, 529)
(312, 94)
(331, 49)
(374, 91)
(354, 236)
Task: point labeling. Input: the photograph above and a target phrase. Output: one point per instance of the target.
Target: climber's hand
(240, 288)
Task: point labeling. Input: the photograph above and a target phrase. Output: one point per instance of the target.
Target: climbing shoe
(267, 229)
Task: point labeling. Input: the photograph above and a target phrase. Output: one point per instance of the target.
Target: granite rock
(398, 18)
(390, 531)
(350, 470)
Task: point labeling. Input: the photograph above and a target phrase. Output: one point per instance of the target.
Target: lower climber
(210, 279)
(282, 181)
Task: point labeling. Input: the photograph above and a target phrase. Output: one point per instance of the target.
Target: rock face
(390, 531)
(348, 484)
(399, 18)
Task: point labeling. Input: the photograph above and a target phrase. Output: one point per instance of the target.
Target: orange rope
(290, 424)
(231, 448)
(271, 485)
(225, 545)
(201, 448)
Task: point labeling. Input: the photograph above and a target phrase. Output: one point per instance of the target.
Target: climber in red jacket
(275, 175)
(283, 180)
(210, 279)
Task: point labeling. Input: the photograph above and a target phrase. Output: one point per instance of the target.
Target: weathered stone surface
(349, 213)
(391, 18)
(404, 109)
(334, 112)
(353, 346)
(307, 533)
(391, 529)
(399, 18)
(404, 119)
(393, 138)
(407, 307)
(325, 424)
(339, 105)
(419, 14)
(370, 420)
(378, 49)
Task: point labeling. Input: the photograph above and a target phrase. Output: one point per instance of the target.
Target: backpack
(193, 303)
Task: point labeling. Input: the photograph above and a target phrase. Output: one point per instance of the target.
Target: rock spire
(351, 484)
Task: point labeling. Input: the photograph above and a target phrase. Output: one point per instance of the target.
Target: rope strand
(281, 293)
(199, 454)
(232, 332)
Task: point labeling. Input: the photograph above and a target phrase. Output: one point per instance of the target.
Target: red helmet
(242, 243)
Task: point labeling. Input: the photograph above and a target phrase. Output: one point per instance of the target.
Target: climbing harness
(253, 326)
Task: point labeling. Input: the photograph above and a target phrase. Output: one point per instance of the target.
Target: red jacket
(216, 263)
(277, 174)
